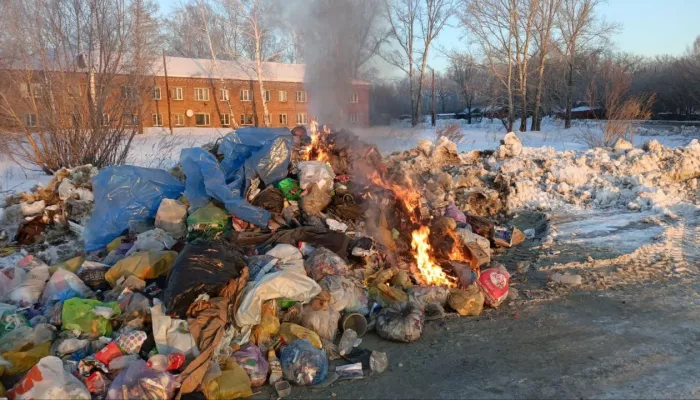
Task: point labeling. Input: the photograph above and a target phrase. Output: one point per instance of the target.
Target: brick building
(199, 98)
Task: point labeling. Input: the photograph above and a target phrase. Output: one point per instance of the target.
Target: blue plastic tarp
(206, 180)
(126, 193)
(248, 153)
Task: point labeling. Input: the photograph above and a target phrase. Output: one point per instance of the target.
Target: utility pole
(167, 94)
(432, 115)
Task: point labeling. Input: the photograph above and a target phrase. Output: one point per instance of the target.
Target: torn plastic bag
(233, 383)
(467, 302)
(202, 267)
(260, 265)
(126, 193)
(269, 324)
(346, 294)
(336, 242)
(206, 179)
(285, 283)
(10, 278)
(48, 380)
(21, 360)
(208, 222)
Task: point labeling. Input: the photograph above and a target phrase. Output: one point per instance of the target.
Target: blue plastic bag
(126, 193)
(205, 180)
(265, 151)
(247, 153)
(304, 364)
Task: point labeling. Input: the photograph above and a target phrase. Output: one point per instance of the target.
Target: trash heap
(262, 259)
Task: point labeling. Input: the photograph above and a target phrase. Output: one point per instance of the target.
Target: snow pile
(516, 177)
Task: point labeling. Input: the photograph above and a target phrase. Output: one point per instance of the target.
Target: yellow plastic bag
(144, 265)
(291, 332)
(232, 384)
(71, 265)
(269, 324)
(467, 302)
(24, 359)
(114, 244)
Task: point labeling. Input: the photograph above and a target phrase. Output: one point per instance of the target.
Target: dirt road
(641, 342)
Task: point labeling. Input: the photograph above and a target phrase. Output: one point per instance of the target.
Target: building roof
(182, 67)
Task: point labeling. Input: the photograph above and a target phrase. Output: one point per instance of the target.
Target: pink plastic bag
(255, 365)
(494, 283)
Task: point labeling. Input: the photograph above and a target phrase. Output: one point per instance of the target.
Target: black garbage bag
(202, 267)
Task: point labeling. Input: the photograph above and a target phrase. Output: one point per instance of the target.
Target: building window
(201, 119)
(30, 120)
(353, 118)
(268, 96)
(225, 119)
(105, 119)
(283, 119)
(301, 97)
(201, 94)
(177, 93)
(247, 119)
(179, 119)
(34, 88)
(245, 95)
(283, 96)
(156, 93)
(158, 119)
(301, 118)
(128, 92)
(223, 94)
(130, 119)
(355, 98)
(75, 91)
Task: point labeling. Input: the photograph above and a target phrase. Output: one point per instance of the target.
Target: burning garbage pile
(261, 259)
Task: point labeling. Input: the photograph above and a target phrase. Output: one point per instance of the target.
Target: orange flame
(315, 147)
(430, 271)
(457, 253)
(409, 196)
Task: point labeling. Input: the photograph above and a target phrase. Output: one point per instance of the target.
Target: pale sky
(648, 27)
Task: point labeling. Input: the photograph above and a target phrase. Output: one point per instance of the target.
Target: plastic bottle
(275, 367)
(566, 279)
(347, 342)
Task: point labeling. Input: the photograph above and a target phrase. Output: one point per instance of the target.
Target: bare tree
(432, 18)
(545, 16)
(217, 70)
(578, 27)
(469, 78)
(526, 11)
(73, 91)
(402, 16)
(623, 111)
(493, 25)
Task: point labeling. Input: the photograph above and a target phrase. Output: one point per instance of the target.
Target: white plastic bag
(171, 218)
(11, 277)
(316, 172)
(30, 290)
(155, 239)
(290, 259)
(48, 380)
(283, 284)
(172, 335)
(62, 284)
